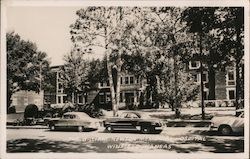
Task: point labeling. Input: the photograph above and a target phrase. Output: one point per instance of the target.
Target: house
(23, 98)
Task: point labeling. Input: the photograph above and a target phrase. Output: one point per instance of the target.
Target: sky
(48, 27)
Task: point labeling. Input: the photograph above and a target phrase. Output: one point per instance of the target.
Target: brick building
(219, 85)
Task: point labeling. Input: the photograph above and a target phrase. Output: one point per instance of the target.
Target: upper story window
(101, 84)
(231, 76)
(197, 77)
(205, 77)
(131, 80)
(60, 88)
(101, 98)
(194, 64)
(126, 80)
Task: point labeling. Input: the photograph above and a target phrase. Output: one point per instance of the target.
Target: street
(178, 140)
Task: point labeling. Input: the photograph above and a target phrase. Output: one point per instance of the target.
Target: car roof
(75, 113)
(140, 114)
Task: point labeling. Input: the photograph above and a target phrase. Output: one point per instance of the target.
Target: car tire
(109, 128)
(145, 130)
(225, 130)
(80, 128)
(52, 127)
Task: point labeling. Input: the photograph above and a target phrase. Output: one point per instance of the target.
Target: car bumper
(213, 128)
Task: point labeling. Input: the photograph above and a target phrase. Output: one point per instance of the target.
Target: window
(126, 80)
(194, 64)
(108, 97)
(196, 77)
(205, 77)
(231, 78)
(121, 98)
(121, 80)
(107, 82)
(131, 80)
(101, 84)
(64, 99)
(66, 116)
(59, 100)
(60, 88)
(101, 98)
(137, 80)
(231, 94)
(80, 99)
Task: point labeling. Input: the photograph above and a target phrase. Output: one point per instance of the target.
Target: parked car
(133, 121)
(227, 125)
(74, 120)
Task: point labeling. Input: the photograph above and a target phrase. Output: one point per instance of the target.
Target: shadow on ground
(38, 145)
(213, 145)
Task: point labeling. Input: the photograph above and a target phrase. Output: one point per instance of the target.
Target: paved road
(180, 140)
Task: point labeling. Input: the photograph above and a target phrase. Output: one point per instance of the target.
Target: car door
(134, 119)
(124, 122)
(238, 124)
(63, 122)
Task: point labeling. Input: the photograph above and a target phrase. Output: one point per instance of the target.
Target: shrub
(11, 110)
(31, 111)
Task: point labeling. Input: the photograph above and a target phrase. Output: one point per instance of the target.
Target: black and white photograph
(124, 79)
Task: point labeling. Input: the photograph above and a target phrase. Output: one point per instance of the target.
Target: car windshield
(130, 115)
(83, 115)
(69, 116)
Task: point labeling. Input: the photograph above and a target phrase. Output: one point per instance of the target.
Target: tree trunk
(238, 58)
(201, 84)
(118, 85)
(112, 90)
(211, 83)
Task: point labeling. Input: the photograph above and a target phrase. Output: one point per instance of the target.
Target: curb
(26, 127)
(187, 123)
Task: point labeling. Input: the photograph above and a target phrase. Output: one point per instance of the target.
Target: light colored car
(74, 120)
(227, 125)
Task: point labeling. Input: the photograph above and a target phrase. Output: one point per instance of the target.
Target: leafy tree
(74, 74)
(26, 66)
(200, 20)
(103, 27)
(159, 37)
(220, 32)
(232, 31)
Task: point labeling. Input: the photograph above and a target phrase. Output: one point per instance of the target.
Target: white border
(64, 3)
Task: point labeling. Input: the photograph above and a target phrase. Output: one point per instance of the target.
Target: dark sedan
(133, 121)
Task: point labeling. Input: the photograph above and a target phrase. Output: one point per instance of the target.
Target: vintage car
(227, 125)
(133, 121)
(75, 120)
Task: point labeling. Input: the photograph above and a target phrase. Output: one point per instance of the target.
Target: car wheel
(52, 127)
(225, 130)
(80, 128)
(145, 130)
(109, 128)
